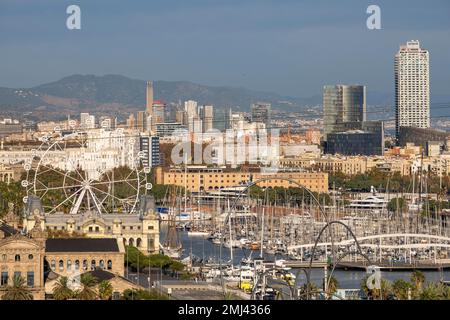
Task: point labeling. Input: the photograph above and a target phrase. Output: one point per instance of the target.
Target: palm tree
(105, 290)
(332, 287)
(310, 290)
(385, 291)
(402, 289)
(418, 279)
(61, 290)
(88, 283)
(18, 290)
(435, 291)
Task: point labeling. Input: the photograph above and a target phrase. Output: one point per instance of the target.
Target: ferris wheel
(71, 173)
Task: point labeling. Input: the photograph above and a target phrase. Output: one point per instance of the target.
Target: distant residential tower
(412, 87)
(149, 97)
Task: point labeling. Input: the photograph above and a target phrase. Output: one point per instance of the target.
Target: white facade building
(412, 86)
(87, 121)
(104, 151)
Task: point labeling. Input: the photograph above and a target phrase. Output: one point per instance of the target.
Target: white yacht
(373, 202)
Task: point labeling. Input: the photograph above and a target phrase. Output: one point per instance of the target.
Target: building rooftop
(81, 245)
(101, 274)
(7, 229)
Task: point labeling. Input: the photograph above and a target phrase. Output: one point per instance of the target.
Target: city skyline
(297, 59)
(224, 150)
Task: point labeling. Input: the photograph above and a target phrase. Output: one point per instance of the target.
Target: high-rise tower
(412, 87)
(261, 112)
(149, 98)
(344, 108)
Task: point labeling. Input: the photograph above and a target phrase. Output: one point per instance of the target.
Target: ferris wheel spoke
(109, 194)
(131, 172)
(44, 172)
(68, 198)
(73, 165)
(59, 188)
(107, 176)
(36, 191)
(131, 185)
(105, 198)
(113, 182)
(96, 203)
(129, 175)
(43, 195)
(50, 168)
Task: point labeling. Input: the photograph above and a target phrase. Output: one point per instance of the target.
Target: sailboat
(197, 230)
(172, 246)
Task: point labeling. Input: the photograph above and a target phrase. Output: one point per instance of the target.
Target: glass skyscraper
(344, 108)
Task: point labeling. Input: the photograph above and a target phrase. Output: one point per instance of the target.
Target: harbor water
(202, 248)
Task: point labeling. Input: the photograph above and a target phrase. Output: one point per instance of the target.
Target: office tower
(158, 113)
(150, 146)
(412, 87)
(87, 121)
(344, 108)
(131, 122)
(181, 117)
(191, 108)
(191, 113)
(205, 114)
(367, 141)
(91, 121)
(171, 112)
(149, 97)
(197, 125)
(84, 116)
(261, 112)
(141, 121)
(208, 118)
(168, 129)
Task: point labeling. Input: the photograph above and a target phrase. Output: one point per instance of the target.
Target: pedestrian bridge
(385, 241)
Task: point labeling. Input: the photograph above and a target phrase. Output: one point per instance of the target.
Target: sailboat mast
(231, 238)
(262, 232)
(185, 183)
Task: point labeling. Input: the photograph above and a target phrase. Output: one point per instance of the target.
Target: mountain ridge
(79, 92)
(122, 95)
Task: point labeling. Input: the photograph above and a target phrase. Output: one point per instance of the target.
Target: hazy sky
(288, 47)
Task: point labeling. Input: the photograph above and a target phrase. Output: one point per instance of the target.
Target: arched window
(61, 265)
(131, 242)
(77, 264)
(124, 241)
(69, 265)
(85, 265)
(17, 258)
(102, 264)
(93, 264)
(109, 264)
(138, 242)
(52, 265)
(3, 257)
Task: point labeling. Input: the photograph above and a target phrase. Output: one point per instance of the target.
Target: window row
(69, 266)
(17, 257)
(5, 279)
